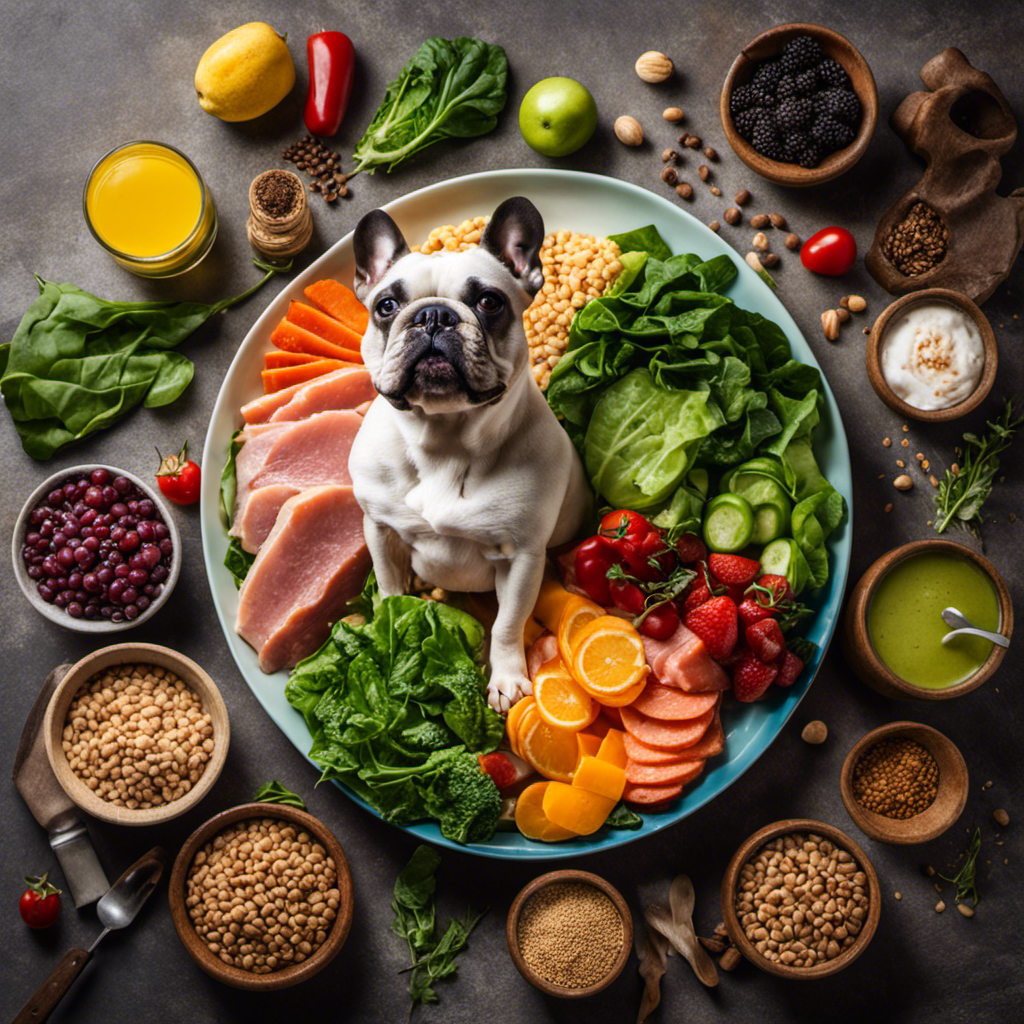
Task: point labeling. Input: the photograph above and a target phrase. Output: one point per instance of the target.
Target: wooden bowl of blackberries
(799, 105)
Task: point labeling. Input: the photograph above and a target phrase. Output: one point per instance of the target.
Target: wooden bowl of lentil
(91, 763)
(879, 792)
(873, 361)
(859, 925)
(551, 915)
(253, 905)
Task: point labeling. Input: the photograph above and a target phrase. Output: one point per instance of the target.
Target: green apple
(557, 116)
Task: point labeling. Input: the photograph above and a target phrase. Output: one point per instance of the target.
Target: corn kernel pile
(577, 268)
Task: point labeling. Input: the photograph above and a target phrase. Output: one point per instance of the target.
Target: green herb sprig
(965, 879)
(274, 793)
(962, 494)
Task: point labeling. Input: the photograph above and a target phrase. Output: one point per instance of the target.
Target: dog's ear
(514, 235)
(377, 245)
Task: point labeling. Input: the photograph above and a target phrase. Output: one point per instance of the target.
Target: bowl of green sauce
(893, 626)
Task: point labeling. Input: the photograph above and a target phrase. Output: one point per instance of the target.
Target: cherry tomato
(179, 477)
(831, 251)
(660, 622)
(594, 557)
(627, 596)
(625, 523)
(40, 902)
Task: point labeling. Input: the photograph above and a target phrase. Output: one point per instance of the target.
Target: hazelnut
(684, 190)
(792, 241)
(856, 303)
(770, 259)
(1001, 817)
(653, 66)
(742, 197)
(732, 216)
(628, 130)
(778, 221)
(814, 732)
(759, 220)
(715, 226)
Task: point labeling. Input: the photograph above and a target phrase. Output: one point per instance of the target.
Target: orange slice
(611, 701)
(515, 717)
(577, 612)
(531, 819)
(561, 701)
(552, 752)
(608, 659)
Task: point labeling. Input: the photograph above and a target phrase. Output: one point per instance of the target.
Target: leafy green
(966, 880)
(78, 363)
(415, 921)
(452, 88)
(646, 240)
(238, 561)
(623, 817)
(274, 793)
(683, 514)
(962, 494)
(398, 713)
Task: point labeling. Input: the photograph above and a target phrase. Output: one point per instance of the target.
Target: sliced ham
(657, 701)
(312, 564)
(683, 661)
(345, 389)
(666, 735)
(259, 514)
(543, 649)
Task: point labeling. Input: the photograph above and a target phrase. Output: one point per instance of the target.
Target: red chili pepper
(332, 64)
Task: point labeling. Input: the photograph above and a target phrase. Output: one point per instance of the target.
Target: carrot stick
(292, 338)
(278, 360)
(341, 302)
(323, 325)
(275, 380)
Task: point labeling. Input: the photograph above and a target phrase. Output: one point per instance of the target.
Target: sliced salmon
(708, 745)
(683, 661)
(347, 388)
(259, 514)
(667, 702)
(653, 798)
(679, 773)
(666, 735)
(312, 564)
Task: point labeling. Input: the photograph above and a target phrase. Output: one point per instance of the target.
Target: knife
(117, 909)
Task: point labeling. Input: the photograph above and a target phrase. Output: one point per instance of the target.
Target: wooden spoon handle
(50, 993)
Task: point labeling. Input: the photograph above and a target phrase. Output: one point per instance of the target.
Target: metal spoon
(960, 625)
(116, 909)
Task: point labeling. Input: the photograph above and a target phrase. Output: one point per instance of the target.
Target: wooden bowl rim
(237, 977)
(927, 825)
(988, 339)
(568, 875)
(754, 843)
(190, 673)
(860, 599)
(766, 44)
(95, 627)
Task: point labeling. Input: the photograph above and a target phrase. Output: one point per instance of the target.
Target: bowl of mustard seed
(569, 933)
(904, 783)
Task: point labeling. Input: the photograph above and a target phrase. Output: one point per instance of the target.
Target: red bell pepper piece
(332, 58)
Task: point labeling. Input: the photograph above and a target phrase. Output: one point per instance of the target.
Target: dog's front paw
(506, 688)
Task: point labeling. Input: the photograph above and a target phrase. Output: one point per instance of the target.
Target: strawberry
(751, 677)
(690, 548)
(770, 590)
(790, 668)
(765, 639)
(735, 591)
(734, 570)
(715, 623)
(750, 612)
(696, 595)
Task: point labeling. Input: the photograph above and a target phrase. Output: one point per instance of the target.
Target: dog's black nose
(434, 318)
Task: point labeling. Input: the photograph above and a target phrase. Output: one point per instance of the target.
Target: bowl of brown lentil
(904, 783)
(800, 899)
(287, 888)
(136, 734)
(569, 933)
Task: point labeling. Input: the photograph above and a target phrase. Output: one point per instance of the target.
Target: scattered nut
(903, 482)
(928, 871)
(925, 464)
(669, 156)
(684, 190)
(711, 153)
(888, 508)
(1002, 818)
(792, 241)
(905, 429)
(754, 262)
(654, 66)
(715, 190)
(815, 732)
(714, 943)
(843, 314)
(857, 303)
(901, 464)
(682, 138)
(742, 197)
(904, 443)
(965, 910)
(669, 175)
(715, 226)
(933, 480)
(919, 456)
(628, 130)
(672, 114)
(760, 242)
(732, 216)
(760, 220)
(692, 142)
(940, 907)
(830, 324)
(886, 442)
(844, 302)
(778, 221)
(704, 172)
(770, 259)
(730, 959)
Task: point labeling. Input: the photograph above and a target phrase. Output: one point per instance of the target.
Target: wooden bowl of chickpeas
(136, 734)
(288, 888)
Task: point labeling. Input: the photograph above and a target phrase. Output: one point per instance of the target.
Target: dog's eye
(386, 307)
(490, 302)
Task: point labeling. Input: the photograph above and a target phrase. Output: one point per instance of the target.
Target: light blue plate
(593, 205)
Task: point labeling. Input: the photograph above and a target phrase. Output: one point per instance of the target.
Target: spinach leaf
(452, 88)
(78, 363)
(274, 793)
(238, 561)
(229, 480)
(646, 239)
(623, 817)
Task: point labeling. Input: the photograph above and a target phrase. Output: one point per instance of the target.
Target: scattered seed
(711, 153)
(843, 314)
(830, 324)
(857, 303)
(684, 190)
(715, 190)
(933, 480)
(770, 259)
(888, 508)
(628, 131)
(730, 959)
(919, 456)
(927, 870)
(965, 910)
(901, 463)
(778, 221)
(760, 242)
(815, 732)
(704, 172)
(715, 226)
(672, 114)
(792, 241)
(732, 216)
(954, 469)
(760, 220)
(886, 442)
(940, 907)
(669, 175)
(742, 197)
(866, 330)
(754, 262)
(844, 302)
(898, 895)
(904, 443)
(669, 155)
(925, 464)
(1002, 818)
(905, 429)
(903, 482)
(682, 138)
(693, 142)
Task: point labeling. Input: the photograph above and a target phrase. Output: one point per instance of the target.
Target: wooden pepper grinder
(280, 222)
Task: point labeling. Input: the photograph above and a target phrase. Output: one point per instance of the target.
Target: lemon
(245, 73)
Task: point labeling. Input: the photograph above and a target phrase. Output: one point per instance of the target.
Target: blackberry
(794, 144)
(811, 156)
(765, 141)
(840, 104)
(793, 114)
(803, 84)
(747, 121)
(831, 134)
(767, 76)
(746, 96)
(831, 73)
(799, 54)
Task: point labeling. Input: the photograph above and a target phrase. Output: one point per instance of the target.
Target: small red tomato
(627, 596)
(40, 902)
(501, 770)
(594, 557)
(831, 251)
(625, 522)
(660, 622)
(179, 477)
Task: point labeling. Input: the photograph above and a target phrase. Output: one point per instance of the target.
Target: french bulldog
(463, 473)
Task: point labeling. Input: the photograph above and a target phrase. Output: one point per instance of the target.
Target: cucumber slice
(728, 523)
(770, 523)
(779, 558)
(759, 490)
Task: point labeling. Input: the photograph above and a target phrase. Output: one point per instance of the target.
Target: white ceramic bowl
(59, 615)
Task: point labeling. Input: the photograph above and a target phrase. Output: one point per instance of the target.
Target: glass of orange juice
(149, 207)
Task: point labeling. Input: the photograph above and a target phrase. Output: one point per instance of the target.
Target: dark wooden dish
(235, 976)
(861, 655)
(881, 385)
(945, 809)
(730, 882)
(768, 44)
(512, 932)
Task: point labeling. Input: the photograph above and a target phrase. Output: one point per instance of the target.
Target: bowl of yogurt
(932, 355)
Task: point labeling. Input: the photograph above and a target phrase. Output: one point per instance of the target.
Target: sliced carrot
(653, 798)
(575, 809)
(323, 325)
(663, 774)
(666, 702)
(292, 338)
(666, 735)
(275, 380)
(613, 748)
(601, 777)
(278, 360)
(531, 819)
(589, 744)
(341, 302)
